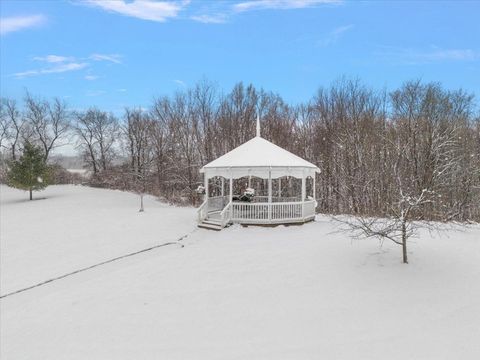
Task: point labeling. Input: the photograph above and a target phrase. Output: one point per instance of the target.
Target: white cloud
(142, 9)
(16, 23)
(27, 73)
(210, 19)
(53, 58)
(280, 4)
(65, 67)
(115, 58)
(335, 34)
(60, 64)
(446, 54)
(61, 68)
(122, 90)
(180, 82)
(409, 56)
(219, 13)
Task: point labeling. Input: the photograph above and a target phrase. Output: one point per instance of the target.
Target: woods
(379, 152)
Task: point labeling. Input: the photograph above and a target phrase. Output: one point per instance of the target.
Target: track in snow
(176, 242)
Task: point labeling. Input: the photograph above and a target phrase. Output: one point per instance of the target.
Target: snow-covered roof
(259, 153)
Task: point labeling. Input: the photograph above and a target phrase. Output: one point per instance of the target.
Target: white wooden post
(206, 187)
(269, 194)
(303, 195)
(222, 191)
(231, 197)
(314, 192)
(279, 188)
(249, 181)
(303, 188)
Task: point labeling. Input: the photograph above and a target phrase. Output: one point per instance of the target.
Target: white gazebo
(257, 158)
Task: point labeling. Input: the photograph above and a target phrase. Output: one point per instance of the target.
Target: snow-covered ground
(69, 227)
(82, 172)
(299, 292)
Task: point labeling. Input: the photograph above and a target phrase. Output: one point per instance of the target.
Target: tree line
(413, 151)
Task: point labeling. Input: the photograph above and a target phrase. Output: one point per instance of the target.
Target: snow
(82, 172)
(259, 152)
(298, 292)
(69, 227)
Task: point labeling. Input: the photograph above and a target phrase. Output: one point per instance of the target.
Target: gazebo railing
(217, 203)
(275, 199)
(202, 211)
(272, 212)
(226, 214)
(249, 211)
(257, 212)
(309, 208)
(286, 211)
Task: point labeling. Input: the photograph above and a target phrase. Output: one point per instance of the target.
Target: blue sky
(114, 54)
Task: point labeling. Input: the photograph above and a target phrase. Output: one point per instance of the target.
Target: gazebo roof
(260, 154)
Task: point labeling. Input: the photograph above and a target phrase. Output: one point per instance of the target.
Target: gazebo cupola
(257, 158)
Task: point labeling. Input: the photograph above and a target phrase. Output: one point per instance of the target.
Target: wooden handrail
(222, 214)
(200, 210)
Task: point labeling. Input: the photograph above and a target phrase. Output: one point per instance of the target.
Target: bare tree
(161, 143)
(237, 116)
(5, 123)
(205, 112)
(97, 133)
(86, 140)
(13, 126)
(137, 130)
(378, 151)
(424, 153)
(48, 122)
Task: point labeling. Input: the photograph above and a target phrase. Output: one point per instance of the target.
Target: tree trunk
(141, 203)
(404, 242)
(31, 198)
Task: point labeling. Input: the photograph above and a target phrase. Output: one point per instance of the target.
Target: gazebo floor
(213, 221)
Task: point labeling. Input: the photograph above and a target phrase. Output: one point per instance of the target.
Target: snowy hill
(299, 292)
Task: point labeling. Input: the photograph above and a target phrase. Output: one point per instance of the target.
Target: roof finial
(258, 126)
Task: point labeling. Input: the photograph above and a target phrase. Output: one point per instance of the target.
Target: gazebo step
(210, 226)
(212, 222)
(214, 216)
